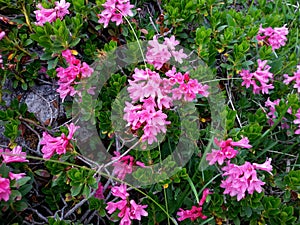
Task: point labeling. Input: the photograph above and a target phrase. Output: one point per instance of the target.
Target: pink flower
(196, 211)
(266, 166)
(129, 210)
(86, 70)
(261, 76)
(57, 145)
(61, 8)
(120, 191)
(67, 76)
(226, 151)
(16, 176)
(158, 54)
(205, 193)
(275, 37)
(243, 143)
(4, 189)
(44, 15)
(192, 214)
(2, 34)
(16, 155)
(99, 191)
(114, 11)
(137, 211)
(50, 15)
(295, 78)
(242, 179)
(124, 165)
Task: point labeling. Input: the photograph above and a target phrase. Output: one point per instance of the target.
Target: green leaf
(4, 170)
(75, 190)
(20, 206)
(21, 181)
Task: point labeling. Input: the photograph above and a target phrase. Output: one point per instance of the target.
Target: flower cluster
(158, 54)
(272, 114)
(153, 94)
(67, 76)
(226, 150)
(261, 76)
(196, 211)
(58, 145)
(50, 15)
(275, 37)
(124, 165)
(15, 155)
(243, 178)
(239, 178)
(295, 78)
(5, 189)
(129, 209)
(10, 156)
(114, 11)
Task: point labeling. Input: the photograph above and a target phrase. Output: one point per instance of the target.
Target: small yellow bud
(166, 186)
(74, 52)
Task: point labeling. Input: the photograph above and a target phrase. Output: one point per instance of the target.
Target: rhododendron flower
(129, 209)
(137, 211)
(67, 76)
(99, 191)
(272, 114)
(242, 179)
(4, 189)
(114, 11)
(2, 34)
(158, 54)
(295, 78)
(16, 176)
(226, 150)
(61, 8)
(15, 155)
(57, 145)
(275, 37)
(124, 165)
(153, 94)
(266, 166)
(50, 15)
(261, 76)
(196, 211)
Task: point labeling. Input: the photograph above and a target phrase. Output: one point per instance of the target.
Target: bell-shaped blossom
(158, 54)
(226, 150)
(15, 155)
(275, 37)
(242, 179)
(4, 189)
(124, 165)
(295, 78)
(196, 211)
(50, 15)
(16, 176)
(68, 76)
(99, 191)
(128, 209)
(58, 145)
(114, 11)
(261, 77)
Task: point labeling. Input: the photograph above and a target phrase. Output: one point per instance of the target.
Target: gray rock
(42, 101)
